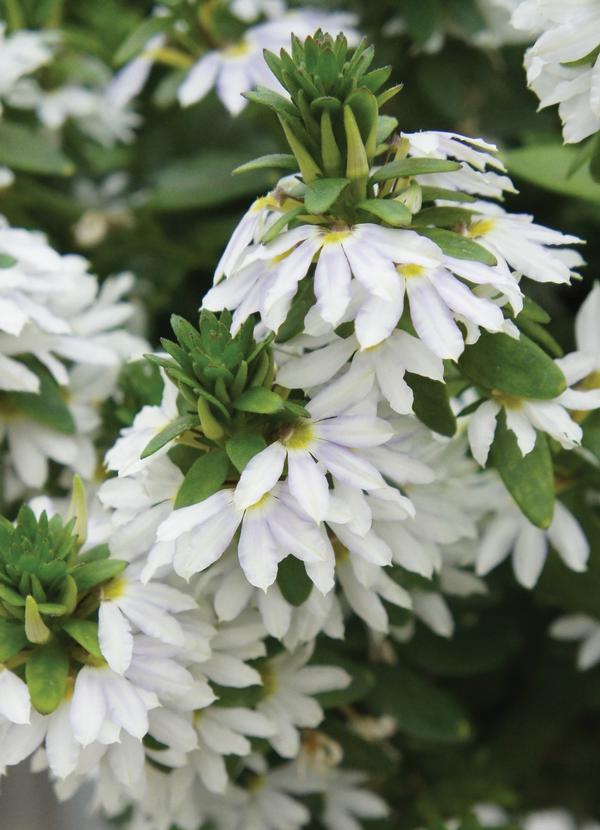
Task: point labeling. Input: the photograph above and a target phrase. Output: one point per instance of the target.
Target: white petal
(432, 319)
(115, 637)
(568, 538)
(199, 79)
(88, 705)
(518, 423)
(529, 554)
(481, 430)
(260, 475)
(257, 551)
(308, 484)
(497, 542)
(15, 704)
(332, 283)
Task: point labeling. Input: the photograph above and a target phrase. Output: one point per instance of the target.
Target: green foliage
(529, 478)
(49, 596)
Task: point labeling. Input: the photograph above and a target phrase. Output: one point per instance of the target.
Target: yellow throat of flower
(481, 228)
(298, 436)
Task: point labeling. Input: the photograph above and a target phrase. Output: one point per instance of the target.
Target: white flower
(524, 416)
(270, 530)
(580, 627)
(238, 67)
(475, 156)
(528, 248)
(385, 263)
(384, 363)
(124, 602)
(21, 53)
(510, 532)
(221, 731)
(124, 457)
(563, 65)
(312, 447)
(345, 800)
(15, 704)
(587, 331)
(289, 703)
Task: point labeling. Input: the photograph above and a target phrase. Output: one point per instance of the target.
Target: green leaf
(273, 100)
(171, 431)
(322, 194)
(419, 708)
(205, 477)
(258, 399)
(12, 639)
(443, 217)
(293, 580)
(203, 181)
(244, 446)
(515, 367)
(468, 651)
(30, 150)
(413, 167)
(595, 161)
(530, 478)
(139, 37)
(458, 246)
(7, 261)
(386, 124)
(47, 406)
(429, 194)
(277, 227)
(548, 166)
(279, 161)
(84, 632)
(303, 301)
(431, 403)
(94, 573)
(47, 672)
(388, 210)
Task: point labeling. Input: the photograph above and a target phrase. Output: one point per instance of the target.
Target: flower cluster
(368, 416)
(564, 63)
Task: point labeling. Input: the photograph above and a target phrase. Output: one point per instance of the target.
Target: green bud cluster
(229, 405)
(354, 167)
(49, 597)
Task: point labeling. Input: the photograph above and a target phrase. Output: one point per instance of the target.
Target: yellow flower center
(481, 228)
(269, 679)
(410, 270)
(260, 503)
(115, 588)
(340, 551)
(506, 400)
(298, 436)
(268, 201)
(237, 50)
(335, 236)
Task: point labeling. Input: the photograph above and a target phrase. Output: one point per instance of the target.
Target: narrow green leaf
(515, 367)
(94, 573)
(293, 581)
(301, 304)
(432, 404)
(430, 194)
(30, 150)
(273, 100)
(530, 478)
(413, 167)
(388, 210)
(322, 194)
(84, 632)
(171, 431)
(139, 37)
(47, 406)
(548, 166)
(47, 672)
(278, 161)
(420, 709)
(458, 246)
(443, 217)
(205, 477)
(12, 639)
(282, 223)
(244, 446)
(261, 400)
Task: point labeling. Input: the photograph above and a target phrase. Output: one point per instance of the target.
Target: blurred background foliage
(498, 713)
